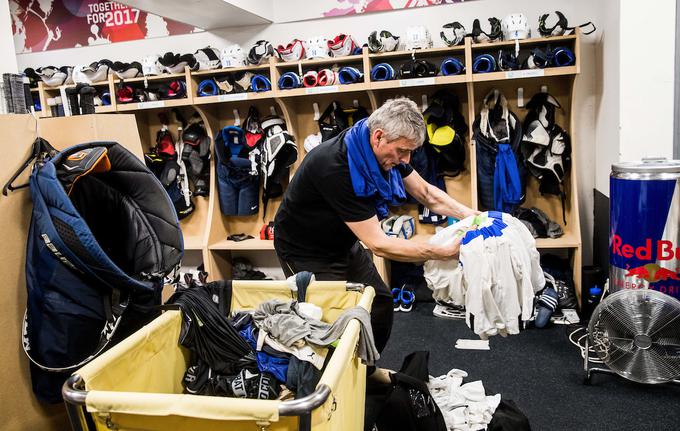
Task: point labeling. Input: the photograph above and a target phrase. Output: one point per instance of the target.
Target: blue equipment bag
(102, 239)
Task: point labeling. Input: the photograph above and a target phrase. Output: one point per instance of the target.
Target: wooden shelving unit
(249, 244)
(206, 229)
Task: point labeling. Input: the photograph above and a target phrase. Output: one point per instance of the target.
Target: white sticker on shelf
(529, 73)
(415, 82)
(322, 89)
(151, 105)
(232, 97)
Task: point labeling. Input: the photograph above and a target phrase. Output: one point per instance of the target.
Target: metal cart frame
(75, 393)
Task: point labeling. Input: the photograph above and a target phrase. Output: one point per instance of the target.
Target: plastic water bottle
(594, 294)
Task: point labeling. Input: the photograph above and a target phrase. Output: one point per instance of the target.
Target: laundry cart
(137, 385)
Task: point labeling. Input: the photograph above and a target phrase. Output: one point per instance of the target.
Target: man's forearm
(408, 250)
(441, 203)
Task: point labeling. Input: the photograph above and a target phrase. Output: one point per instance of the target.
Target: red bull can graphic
(644, 237)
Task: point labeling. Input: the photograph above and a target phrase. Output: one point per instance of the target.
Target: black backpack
(103, 237)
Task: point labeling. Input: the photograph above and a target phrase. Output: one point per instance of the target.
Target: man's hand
(369, 232)
(452, 249)
(448, 251)
(467, 212)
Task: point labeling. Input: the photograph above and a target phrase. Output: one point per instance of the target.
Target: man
(337, 194)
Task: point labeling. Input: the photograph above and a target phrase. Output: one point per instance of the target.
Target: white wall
(607, 113)
(635, 83)
(7, 53)
(359, 26)
(647, 70)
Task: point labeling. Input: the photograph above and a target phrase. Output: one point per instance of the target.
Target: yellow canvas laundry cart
(137, 385)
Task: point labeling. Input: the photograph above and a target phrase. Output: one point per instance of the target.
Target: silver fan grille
(636, 333)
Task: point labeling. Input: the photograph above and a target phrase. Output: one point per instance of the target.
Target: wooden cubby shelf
(525, 74)
(384, 57)
(552, 40)
(207, 229)
(315, 91)
(249, 244)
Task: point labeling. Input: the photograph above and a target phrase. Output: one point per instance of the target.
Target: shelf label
(232, 97)
(151, 105)
(415, 82)
(322, 89)
(529, 73)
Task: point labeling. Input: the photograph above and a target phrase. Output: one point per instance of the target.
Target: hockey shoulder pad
(279, 149)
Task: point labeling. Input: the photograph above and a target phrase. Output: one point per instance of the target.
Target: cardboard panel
(19, 409)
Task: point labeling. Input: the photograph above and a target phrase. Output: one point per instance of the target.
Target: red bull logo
(644, 241)
(652, 273)
(665, 250)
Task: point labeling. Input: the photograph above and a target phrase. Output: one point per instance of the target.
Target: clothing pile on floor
(464, 406)
(416, 401)
(496, 277)
(277, 351)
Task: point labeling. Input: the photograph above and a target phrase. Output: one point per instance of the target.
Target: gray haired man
(337, 195)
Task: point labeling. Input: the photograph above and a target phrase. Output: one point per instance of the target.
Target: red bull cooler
(644, 238)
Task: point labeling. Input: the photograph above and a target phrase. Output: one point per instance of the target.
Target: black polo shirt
(310, 223)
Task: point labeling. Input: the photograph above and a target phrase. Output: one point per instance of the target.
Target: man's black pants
(358, 268)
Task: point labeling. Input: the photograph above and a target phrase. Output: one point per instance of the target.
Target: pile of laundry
(277, 351)
(496, 277)
(463, 406)
(414, 400)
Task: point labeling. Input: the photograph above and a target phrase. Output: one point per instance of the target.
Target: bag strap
(107, 333)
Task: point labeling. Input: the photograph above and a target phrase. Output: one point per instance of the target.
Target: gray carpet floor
(541, 371)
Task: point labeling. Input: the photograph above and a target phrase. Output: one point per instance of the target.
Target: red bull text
(644, 239)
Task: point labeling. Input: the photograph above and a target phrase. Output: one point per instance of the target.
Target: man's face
(391, 153)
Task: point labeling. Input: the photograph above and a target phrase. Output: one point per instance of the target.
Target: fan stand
(589, 371)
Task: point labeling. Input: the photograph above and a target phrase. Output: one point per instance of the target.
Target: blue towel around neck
(367, 177)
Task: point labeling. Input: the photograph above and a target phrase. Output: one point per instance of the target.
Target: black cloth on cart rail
(207, 332)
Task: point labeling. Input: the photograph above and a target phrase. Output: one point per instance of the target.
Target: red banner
(352, 7)
(42, 25)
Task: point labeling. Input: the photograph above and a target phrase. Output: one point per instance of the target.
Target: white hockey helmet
(294, 51)
(515, 26)
(151, 66)
(233, 56)
(208, 58)
(418, 37)
(316, 47)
